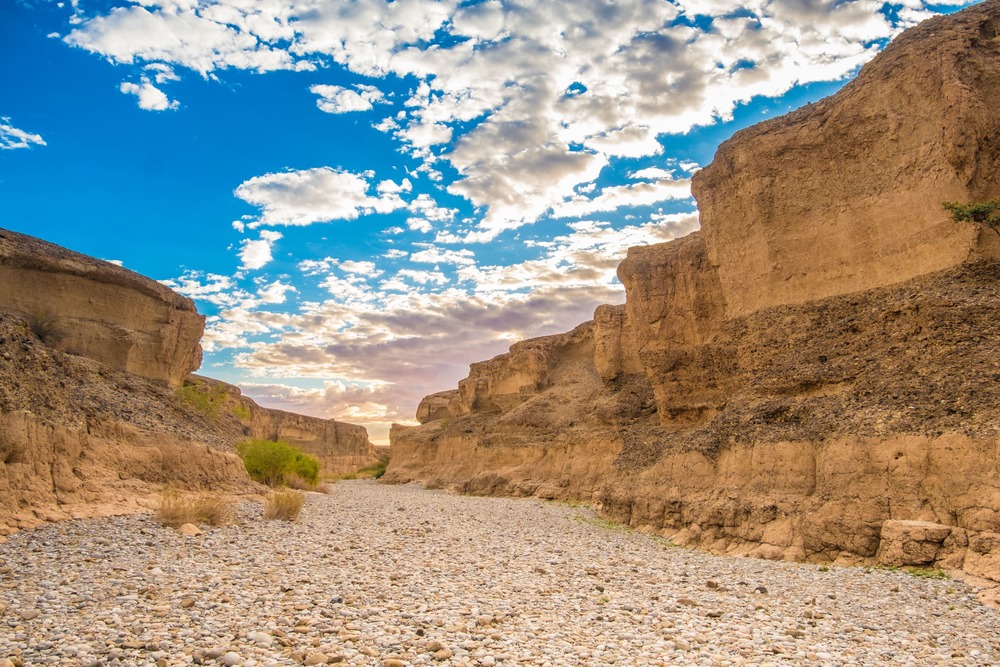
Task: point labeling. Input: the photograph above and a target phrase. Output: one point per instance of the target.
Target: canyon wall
(338, 446)
(97, 414)
(813, 375)
(99, 310)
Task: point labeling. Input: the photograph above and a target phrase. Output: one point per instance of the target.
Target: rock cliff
(96, 309)
(97, 408)
(338, 446)
(813, 375)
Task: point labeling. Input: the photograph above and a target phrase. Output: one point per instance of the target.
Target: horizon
(364, 198)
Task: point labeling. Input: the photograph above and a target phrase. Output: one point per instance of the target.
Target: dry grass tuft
(293, 481)
(175, 510)
(284, 505)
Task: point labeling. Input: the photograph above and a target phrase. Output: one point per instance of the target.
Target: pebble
(453, 580)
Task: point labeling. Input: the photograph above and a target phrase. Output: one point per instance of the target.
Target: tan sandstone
(93, 417)
(810, 377)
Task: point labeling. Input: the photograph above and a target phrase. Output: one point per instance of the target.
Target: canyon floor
(396, 575)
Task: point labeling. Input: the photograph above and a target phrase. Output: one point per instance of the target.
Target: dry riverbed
(393, 576)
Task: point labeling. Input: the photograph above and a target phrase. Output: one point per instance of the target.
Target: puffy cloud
(634, 194)
(11, 137)
(362, 268)
(257, 253)
(276, 292)
(217, 36)
(525, 100)
(434, 255)
(313, 195)
(337, 99)
(149, 96)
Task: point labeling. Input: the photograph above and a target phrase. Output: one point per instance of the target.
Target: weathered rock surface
(340, 447)
(845, 194)
(819, 360)
(93, 419)
(98, 310)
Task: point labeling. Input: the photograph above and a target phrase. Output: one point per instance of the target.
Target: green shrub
(376, 470)
(987, 212)
(270, 462)
(203, 397)
(241, 412)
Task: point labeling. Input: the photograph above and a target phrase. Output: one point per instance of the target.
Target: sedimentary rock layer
(95, 309)
(811, 376)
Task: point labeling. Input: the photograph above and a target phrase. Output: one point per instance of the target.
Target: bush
(204, 397)
(271, 462)
(175, 510)
(242, 412)
(284, 505)
(44, 325)
(987, 212)
(376, 470)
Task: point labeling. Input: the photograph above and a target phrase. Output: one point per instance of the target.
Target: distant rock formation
(94, 370)
(338, 446)
(813, 376)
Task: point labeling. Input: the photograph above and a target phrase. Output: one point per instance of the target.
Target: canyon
(99, 409)
(811, 376)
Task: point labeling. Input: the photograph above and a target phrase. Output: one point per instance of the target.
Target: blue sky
(364, 197)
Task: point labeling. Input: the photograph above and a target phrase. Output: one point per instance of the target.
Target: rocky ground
(391, 576)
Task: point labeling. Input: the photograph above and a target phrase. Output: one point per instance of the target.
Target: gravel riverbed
(393, 576)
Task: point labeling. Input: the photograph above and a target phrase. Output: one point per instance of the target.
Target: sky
(364, 197)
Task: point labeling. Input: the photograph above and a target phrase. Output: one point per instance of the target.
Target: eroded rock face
(93, 415)
(98, 310)
(338, 446)
(846, 194)
(805, 371)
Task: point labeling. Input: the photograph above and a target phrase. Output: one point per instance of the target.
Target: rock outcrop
(813, 376)
(98, 412)
(338, 446)
(95, 309)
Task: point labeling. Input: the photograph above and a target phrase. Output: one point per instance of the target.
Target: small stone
(761, 589)
(162, 662)
(443, 654)
(189, 529)
(29, 614)
(715, 614)
(187, 602)
(687, 602)
(712, 583)
(316, 658)
(6, 662)
(393, 662)
(435, 646)
(231, 659)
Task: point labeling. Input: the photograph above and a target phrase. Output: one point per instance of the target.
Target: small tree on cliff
(986, 212)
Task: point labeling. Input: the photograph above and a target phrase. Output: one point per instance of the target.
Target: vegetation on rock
(986, 212)
(204, 398)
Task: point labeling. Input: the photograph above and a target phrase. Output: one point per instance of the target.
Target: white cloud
(361, 268)
(525, 101)
(257, 253)
(337, 99)
(313, 195)
(149, 96)
(276, 292)
(435, 255)
(11, 137)
(634, 194)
